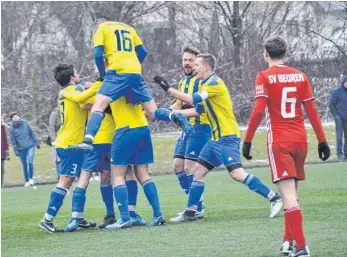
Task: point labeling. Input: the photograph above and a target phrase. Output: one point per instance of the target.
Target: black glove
(187, 106)
(161, 82)
(323, 151)
(38, 146)
(246, 150)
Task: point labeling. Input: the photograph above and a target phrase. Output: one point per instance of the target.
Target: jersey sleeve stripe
(214, 116)
(309, 99)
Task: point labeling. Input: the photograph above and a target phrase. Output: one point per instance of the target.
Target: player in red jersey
(280, 92)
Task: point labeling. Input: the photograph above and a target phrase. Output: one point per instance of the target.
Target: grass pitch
(237, 222)
(164, 145)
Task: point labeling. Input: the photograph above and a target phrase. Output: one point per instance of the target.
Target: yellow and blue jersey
(217, 106)
(83, 97)
(73, 121)
(106, 131)
(190, 85)
(127, 115)
(119, 41)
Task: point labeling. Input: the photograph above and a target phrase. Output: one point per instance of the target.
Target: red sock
(293, 218)
(287, 234)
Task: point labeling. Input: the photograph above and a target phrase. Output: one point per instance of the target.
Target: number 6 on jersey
(288, 100)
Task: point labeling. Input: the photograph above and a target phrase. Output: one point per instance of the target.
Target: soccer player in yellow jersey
(224, 148)
(187, 147)
(124, 53)
(132, 145)
(73, 120)
(99, 160)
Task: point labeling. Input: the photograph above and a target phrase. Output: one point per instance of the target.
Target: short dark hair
(13, 114)
(276, 46)
(62, 73)
(190, 49)
(209, 59)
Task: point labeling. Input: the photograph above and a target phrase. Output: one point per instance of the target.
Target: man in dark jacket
(24, 140)
(5, 154)
(338, 108)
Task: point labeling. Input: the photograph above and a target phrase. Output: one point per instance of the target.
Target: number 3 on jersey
(288, 100)
(124, 43)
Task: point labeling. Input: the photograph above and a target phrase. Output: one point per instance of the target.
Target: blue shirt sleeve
(79, 88)
(199, 108)
(141, 53)
(196, 98)
(99, 60)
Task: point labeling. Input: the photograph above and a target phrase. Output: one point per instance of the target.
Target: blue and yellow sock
(107, 197)
(256, 185)
(132, 195)
(132, 191)
(55, 202)
(200, 206)
(195, 193)
(94, 123)
(190, 180)
(121, 195)
(183, 181)
(132, 214)
(152, 196)
(78, 203)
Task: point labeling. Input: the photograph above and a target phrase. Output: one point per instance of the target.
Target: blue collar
(204, 81)
(69, 84)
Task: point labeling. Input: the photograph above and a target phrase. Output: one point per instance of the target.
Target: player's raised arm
(312, 115)
(140, 49)
(174, 92)
(80, 96)
(261, 98)
(191, 112)
(204, 66)
(98, 40)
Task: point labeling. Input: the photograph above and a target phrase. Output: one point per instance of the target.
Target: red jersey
(286, 89)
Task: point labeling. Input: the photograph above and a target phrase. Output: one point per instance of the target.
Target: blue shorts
(190, 147)
(98, 159)
(132, 86)
(70, 163)
(225, 151)
(132, 147)
(180, 148)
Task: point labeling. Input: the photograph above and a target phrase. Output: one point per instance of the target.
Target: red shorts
(287, 160)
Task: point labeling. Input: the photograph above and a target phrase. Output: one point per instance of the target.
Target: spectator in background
(338, 108)
(53, 128)
(24, 140)
(5, 153)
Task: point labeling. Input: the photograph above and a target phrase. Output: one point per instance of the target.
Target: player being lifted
(98, 160)
(124, 52)
(73, 119)
(280, 92)
(224, 147)
(188, 148)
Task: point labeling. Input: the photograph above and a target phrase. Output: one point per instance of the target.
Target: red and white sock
(293, 219)
(287, 236)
